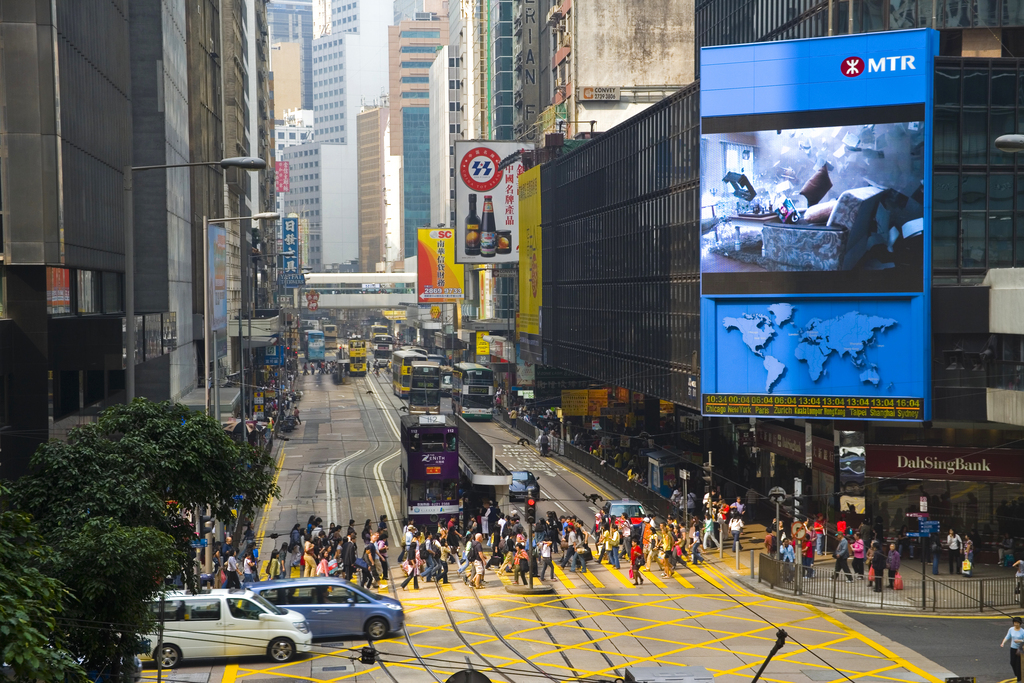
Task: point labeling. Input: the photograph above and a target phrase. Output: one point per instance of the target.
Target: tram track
(499, 636)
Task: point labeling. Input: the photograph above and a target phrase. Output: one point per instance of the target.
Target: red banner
(790, 444)
(282, 176)
(945, 463)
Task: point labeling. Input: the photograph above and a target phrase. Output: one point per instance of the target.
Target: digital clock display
(826, 407)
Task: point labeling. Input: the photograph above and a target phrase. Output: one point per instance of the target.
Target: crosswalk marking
(653, 578)
(621, 576)
(563, 578)
(589, 576)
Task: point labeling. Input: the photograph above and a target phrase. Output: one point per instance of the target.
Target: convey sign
(479, 169)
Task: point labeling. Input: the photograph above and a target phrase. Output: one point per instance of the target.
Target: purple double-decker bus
(430, 446)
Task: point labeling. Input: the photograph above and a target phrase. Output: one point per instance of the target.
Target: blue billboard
(290, 244)
(815, 219)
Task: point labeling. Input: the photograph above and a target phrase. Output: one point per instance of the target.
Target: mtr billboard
(815, 219)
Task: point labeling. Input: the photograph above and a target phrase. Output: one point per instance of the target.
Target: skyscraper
(413, 48)
(291, 21)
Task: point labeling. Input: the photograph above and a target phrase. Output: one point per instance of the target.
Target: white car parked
(227, 623)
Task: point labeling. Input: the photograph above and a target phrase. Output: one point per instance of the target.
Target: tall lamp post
(248, 163)
(210, 350)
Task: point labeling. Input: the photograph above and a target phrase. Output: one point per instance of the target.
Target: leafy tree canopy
(110, 501)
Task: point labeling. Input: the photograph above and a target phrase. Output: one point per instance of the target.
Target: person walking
(614, 538)
(954, 543)
(709, 530)
(841, 553)
(545, 559)
(1016, 636)
(412, 567)
(231, 571)
(858, 555)
(636, 560)
(878, 563)
(308, 559)
(476, 556)
(819, 533)
(735, 526)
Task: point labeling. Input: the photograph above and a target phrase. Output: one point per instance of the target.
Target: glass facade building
(621, 271)
(291, 21)
(501, 69)
(416, 173)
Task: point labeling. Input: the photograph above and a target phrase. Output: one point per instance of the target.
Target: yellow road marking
(682, 582)
(653, 578)
(879, 648)
(560, 574)
(589, 576)
(623, 578)
(270, 503)
(230, 673)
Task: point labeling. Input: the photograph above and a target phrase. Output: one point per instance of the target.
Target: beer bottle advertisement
(488, 233)
(472, 247)
(487, 229)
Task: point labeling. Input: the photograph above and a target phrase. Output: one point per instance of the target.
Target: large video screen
(804, 207)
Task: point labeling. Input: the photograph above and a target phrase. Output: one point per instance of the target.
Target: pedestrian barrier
(925, 594)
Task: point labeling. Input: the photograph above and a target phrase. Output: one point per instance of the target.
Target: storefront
(783, 457)
(973, 490)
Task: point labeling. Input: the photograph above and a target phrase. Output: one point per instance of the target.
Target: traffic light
(531, 510)
(707, 473)
(798, 500)
(206, 525)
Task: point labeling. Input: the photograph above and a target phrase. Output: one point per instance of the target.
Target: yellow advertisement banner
(575, 402)
(529, 251)
(438, 277)
(394, 315)
(482, 347)
(596, 399)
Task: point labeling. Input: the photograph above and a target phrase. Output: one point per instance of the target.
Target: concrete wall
(286, 61)
(1005, 406)
(440, 159)
(1006, 300)
(632, 42)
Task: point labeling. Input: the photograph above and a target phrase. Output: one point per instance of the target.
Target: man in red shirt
(808, 552)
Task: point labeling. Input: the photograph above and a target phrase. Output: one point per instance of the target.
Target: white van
(227, 623)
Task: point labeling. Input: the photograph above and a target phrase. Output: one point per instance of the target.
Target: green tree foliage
(30, 603)
(111, 500)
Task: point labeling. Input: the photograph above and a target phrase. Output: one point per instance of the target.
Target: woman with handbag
(413, 565)
(308, 561)
(636, 562)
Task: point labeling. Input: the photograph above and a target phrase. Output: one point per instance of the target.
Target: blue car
(334, 607)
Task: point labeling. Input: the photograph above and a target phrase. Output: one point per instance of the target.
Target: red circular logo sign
(479, 169)
(852, 66)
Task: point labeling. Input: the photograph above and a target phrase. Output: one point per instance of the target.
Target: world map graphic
(848, 335)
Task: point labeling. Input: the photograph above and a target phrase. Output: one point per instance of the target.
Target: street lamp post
(210, 348)
(248, 163)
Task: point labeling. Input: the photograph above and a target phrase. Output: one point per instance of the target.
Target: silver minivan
(226, 623)
(335, 607)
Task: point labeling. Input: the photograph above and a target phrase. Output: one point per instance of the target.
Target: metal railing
(918, 593)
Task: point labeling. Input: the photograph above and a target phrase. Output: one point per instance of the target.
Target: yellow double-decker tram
(401, 371)
(357, 357)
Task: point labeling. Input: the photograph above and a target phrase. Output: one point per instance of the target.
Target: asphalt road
(967, 646)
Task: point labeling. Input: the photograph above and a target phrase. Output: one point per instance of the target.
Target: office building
(291, 21)
(371, 129)
(413, 47)
(62, 305)
(350, 68)
(286, 64)
(444, 128)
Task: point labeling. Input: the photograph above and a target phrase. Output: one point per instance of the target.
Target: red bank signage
(955, 464)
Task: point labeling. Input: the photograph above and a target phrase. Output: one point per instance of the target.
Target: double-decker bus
(430, 449)
(377, 329)
(330, 334)
(314, 345)
(425, 389)
(383, 346)
(472, 391)
(401, 371)
(357, 357)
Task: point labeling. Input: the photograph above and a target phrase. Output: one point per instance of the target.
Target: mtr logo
(855, 66)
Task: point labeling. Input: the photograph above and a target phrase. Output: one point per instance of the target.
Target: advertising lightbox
(438, 277)
(486, 202)
(815, 227)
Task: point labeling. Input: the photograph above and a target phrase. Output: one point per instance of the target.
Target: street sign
(923, 503)
(929, 527)
(917, 534)
(799, 531)
(920, 515)
(198, 543)
(291, 279)
(777, 495)
(313, 305)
